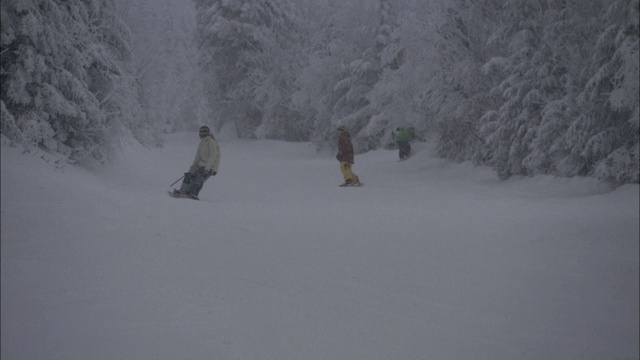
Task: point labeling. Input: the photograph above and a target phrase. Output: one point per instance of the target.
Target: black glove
(338, 157)
(212, 173)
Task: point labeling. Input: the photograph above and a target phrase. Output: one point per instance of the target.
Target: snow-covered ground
(429, 260)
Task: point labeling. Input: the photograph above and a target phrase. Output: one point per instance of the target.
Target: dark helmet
(204, 131)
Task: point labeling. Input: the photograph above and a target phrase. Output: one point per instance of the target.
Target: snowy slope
(428, 260)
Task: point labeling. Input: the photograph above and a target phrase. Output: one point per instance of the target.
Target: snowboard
(407, 157)
(182, 196)
(351, 185)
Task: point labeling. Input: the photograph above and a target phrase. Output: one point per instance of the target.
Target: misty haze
(496, 147)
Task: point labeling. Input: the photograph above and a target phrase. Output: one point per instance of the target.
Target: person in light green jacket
(204, 165)
(403, 136)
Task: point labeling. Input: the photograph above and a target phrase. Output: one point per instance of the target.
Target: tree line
(525, 86)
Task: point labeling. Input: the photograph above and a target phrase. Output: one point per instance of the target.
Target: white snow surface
(428, 260)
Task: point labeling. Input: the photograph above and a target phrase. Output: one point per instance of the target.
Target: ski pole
(176, 181)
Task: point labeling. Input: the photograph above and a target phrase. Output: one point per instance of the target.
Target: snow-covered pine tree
(165, 61)
(236, 40)
(328, 42)
(389, 103)
(458, 92)
(509, 136)
(566, 44)
(345, 48)
(545, 42)
(357, 104)
(44, 93)
(282, 59)
(62, 76)
(604, 138)
(543, 126)
(112, 78)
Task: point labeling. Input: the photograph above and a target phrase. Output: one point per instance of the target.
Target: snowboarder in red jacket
(345, 157)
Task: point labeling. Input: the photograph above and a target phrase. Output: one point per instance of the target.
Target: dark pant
(405, 149)
(193, 182)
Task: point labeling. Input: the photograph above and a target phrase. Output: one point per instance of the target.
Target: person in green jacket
(402, 136)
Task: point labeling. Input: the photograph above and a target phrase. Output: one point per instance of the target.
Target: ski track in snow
(428, 260)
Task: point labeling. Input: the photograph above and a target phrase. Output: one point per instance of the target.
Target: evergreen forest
(524, 86)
